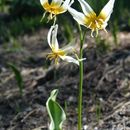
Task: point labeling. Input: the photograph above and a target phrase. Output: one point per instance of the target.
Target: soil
(106, 90)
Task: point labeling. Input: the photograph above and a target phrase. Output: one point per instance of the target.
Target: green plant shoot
(55, 111)
(18, 77)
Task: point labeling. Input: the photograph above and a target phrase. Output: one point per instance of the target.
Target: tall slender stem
(82, 37)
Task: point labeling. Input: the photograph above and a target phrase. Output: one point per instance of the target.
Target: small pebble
(85, 127)
(96, 128)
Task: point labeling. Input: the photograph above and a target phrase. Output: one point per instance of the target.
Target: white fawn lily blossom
(57, 53)
(90, 19)
(55, 7)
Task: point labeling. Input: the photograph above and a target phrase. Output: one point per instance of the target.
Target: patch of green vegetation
(20, 8)
(98, 111)
(13, 45)
(102, 46)
(18, 77)
(129, 22)
(19, 27)
(114, 29)
(67, 27)
(2, 5)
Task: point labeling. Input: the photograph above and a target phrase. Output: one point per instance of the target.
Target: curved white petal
(85, 7)
(69, 59)
(54, 2)
(67, 4)
(43, 1)
(49, 36)
(52, 38)
(78, 16)
(104, 25)
(70, 47)
(54, 41)
(107, 10)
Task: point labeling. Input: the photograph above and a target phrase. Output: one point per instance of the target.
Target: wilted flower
(90, 19)
(57, 53)
(55, 7)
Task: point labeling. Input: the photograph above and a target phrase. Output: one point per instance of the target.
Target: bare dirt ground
(106, 90)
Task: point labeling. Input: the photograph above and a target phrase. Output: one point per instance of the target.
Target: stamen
(53, 16)
(55, 55)
(56, 61)
(97, 24)
(101, 20)
(89, 25)
(50, 56)
(50, 17)
(105, 30)
(96, 32)
(92, 33)
(43, 16)
(54, 20)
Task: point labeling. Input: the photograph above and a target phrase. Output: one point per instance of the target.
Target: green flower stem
(82, 37)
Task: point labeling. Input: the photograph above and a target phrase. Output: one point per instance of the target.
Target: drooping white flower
(56, 52)
(90, 19)
(55, 7)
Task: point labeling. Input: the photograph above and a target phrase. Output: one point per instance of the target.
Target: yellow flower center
(55, 55)
(53, 8)
(95, 22)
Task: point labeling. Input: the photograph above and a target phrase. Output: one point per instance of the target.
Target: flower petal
(70, 47)
(104, 25)
(67, 4)
(69, 59)
(54, 42)
(49, 36)
(107, 10)
(52, 38)
(78, 16)
(86, 7)
(56, 3)
(43, 1)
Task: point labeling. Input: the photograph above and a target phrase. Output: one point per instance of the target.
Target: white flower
(58, 53)
(90, 19)
(55, 7)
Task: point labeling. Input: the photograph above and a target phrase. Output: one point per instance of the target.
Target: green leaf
(18, 77)
(55, 111)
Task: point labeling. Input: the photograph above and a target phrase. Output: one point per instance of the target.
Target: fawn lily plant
(57, 53)
(90, 19)
(55, 7)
